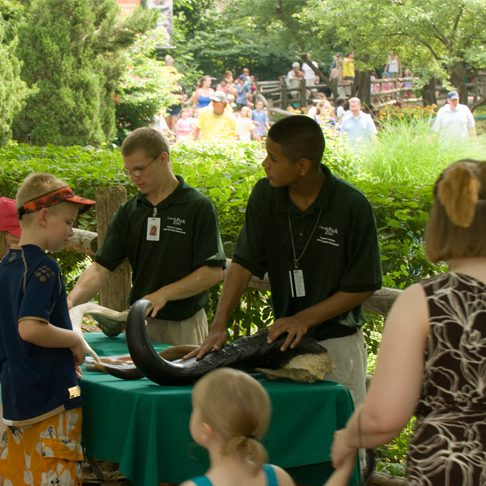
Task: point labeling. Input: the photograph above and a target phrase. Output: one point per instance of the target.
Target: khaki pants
(350, 359)
(349, 356)
(189, 331)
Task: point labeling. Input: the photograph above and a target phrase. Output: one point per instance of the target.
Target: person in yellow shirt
(216, 122)
(348, 72)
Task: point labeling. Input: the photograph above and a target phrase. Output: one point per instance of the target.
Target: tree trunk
(428, 93)
(362, 85)
(114, 294)
(458, 80)
(284, 99)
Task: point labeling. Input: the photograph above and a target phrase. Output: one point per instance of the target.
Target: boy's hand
(80, 350)
(79, 372)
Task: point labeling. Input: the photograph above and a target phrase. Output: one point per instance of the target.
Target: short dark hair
(457, 222)
(300, 138)
(151, 141)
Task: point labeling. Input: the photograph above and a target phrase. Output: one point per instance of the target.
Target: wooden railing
(383, 92)
(278, 96)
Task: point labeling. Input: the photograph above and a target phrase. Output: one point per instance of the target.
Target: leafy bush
(146, 87)
(405, 114)
(72, 55)
(13, 90)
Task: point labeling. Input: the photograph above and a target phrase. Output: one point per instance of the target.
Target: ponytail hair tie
(458, 192)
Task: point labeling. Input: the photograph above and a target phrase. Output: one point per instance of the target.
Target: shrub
(13, 90)
(71, 53)
(405, 114)
(146, 87)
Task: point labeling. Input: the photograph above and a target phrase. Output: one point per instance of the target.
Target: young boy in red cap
(39, 351)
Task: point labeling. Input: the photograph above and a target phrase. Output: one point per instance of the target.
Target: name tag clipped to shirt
(153, 229)
(297, 287)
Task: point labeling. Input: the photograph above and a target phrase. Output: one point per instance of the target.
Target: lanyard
(296, 260)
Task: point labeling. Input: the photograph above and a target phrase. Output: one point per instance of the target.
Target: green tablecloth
(145, 427)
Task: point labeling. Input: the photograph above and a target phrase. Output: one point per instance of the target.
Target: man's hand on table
(214, 342)
(293, 326)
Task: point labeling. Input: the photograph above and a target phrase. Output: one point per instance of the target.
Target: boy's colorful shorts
(45, 453)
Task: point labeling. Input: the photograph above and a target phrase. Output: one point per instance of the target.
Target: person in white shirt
(358, 127)
(294, 76)
(311, 78)
(454, 120)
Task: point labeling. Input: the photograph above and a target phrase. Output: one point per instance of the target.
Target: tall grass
(410, 152)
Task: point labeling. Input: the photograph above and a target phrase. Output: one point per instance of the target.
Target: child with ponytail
(231, 412)
(432, 358)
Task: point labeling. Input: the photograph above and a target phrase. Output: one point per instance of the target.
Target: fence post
(284, 96)
(303, 93)
(114, 294)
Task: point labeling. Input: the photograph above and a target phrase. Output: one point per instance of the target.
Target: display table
(144, 427)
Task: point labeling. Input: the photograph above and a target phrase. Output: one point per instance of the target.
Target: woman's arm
(396, 384)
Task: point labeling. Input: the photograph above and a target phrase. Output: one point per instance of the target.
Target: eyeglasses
(139, 171)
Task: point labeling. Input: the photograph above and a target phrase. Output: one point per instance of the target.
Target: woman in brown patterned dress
(432, 361)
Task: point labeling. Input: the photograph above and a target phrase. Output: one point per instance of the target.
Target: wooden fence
(383, 92)
(277, 95)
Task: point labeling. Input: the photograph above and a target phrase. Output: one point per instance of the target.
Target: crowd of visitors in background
(227, 109)
(230, 108)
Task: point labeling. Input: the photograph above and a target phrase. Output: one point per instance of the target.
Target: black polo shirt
(342, 253)
(189, 239)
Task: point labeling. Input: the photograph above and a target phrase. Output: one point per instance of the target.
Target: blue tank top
(203, 101)
(267, 469)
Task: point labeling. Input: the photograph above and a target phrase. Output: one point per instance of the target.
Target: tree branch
(480, 102)
(456, 23)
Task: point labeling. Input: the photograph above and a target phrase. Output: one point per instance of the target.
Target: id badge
(297, 287)
(153, 229)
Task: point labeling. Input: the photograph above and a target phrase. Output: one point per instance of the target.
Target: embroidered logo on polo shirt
(175, 225)
(328, 235)
(43, 273)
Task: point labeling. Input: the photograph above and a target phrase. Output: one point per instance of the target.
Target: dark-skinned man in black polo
(315, 236)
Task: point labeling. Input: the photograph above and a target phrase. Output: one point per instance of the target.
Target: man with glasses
(169, 233)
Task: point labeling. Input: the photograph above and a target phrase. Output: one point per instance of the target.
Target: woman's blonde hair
(457, 223)
(238, 408)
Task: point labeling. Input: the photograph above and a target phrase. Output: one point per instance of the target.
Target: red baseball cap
(8, 217)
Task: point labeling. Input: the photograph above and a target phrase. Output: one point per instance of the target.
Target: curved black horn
(245, 352)
(144, 356)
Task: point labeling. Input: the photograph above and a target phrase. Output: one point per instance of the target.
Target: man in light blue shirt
(358, 127)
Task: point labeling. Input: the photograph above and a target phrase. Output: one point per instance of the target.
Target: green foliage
(439, 38)
(71, 54)
(226, 173)
(212, 37)
(13, 90)
(408, 153)
(146, 87)
(406, 115)
(392, 457)
(85, 169)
